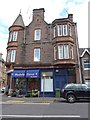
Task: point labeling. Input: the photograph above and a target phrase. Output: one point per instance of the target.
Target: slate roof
(83, 50)
(19, 21)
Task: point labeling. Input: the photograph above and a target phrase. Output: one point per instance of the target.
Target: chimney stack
(70, 16)
(38, 12)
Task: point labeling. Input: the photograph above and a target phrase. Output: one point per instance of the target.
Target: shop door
(60, 81)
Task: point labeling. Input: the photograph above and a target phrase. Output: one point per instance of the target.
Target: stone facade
(58, 51)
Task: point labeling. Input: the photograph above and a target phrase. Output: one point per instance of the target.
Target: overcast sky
(54, 9)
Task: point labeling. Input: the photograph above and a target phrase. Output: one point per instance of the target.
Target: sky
(54, 9)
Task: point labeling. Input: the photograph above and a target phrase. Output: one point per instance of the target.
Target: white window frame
(55, 53)
(37, 34)
(72, 52)
(15, 33)
(60, 30)
(60, 51)
(85, 63)
(36, 54)
(9, 56)
(47, 84)
(10, 36)
(65, 30)
(13, 55)
(54, 31)
(66, 51)
(69, 30)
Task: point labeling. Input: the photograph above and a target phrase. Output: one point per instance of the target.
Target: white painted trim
(86, 50)
(41, 116)
(9, 71)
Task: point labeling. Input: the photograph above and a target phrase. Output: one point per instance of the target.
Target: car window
(71, 86)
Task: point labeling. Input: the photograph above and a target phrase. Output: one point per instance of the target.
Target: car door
(88, 92)
(85, 91)
(80, 92)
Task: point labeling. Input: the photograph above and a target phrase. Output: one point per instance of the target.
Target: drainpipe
(77, 48)
(24, 34)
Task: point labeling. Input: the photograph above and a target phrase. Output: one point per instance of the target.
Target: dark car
(73, 92)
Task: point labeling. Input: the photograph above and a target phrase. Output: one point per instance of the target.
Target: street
(24, 108)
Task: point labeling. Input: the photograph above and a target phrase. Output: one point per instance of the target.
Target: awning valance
(18, 74)
(32, 73)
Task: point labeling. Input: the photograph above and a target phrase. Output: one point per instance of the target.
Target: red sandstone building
(42, 56)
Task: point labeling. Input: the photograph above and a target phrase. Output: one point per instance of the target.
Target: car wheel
(71, 98)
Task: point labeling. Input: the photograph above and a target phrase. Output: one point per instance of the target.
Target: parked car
(73, 92)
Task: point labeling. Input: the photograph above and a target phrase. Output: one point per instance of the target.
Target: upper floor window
(13, 54)
(69, 30)
(60, 51)
(37, 34)
(15, 35)
(66, 52)
(37, 54)
(86, 64)
(54, 30)
(71, 52)
(8, 56)
(55, 52)
(59, 30)
(63, 52)
(64, 30)
(10, 36)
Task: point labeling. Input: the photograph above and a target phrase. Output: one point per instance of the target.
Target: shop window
(47, 82)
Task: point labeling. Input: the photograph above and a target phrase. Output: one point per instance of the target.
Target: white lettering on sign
(19, 74)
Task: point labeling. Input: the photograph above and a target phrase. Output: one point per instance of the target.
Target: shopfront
(18, 80)
(47, 84)
(33, 79)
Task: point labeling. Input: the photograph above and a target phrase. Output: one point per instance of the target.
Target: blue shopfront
(45, 80)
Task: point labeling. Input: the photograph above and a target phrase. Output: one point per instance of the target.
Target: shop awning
(18, 74)
(32, 73)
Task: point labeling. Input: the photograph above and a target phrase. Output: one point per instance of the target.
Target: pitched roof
(19, 21)
(82, 51)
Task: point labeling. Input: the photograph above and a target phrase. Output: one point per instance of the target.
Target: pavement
(12, 100)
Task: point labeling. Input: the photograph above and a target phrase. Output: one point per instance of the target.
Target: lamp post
(43, 84)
